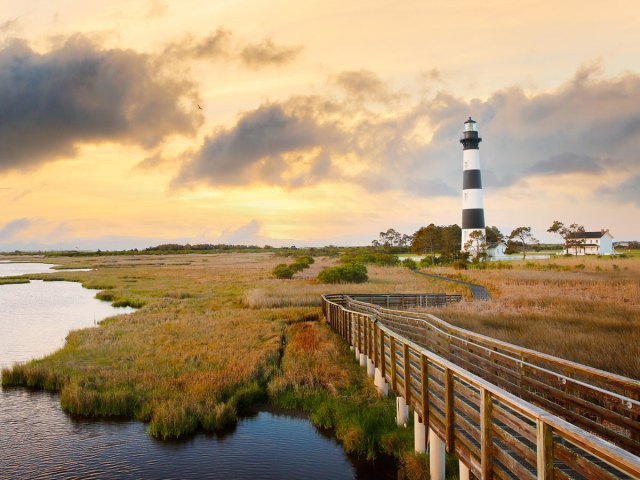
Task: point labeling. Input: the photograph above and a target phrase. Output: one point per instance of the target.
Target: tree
(451, 239)
(493, 235)
(427, 240)
(524, 238)
(568, 234)
(476, 245)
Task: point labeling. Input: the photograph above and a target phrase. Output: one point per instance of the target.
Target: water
(39, 441)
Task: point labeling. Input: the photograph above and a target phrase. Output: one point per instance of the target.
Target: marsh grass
(318, 375)
(583, 309)
(194, 356)
(13, 280)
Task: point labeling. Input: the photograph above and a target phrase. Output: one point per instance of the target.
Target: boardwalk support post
(420, 434)
(436, 456)
(402, 411)
(545, 450)
(379, 382)
(464, 471)
(371, 368)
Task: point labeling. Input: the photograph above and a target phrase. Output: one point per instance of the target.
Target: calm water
(38, 440)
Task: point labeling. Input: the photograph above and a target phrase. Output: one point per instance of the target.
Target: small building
(590, 243)
(496, 250)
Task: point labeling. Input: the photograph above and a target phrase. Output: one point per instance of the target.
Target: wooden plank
(545, 450)
(515, 444)
(580, 464)
(512, 465)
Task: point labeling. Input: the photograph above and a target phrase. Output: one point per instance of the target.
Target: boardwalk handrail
(573, 391)
(494, 432)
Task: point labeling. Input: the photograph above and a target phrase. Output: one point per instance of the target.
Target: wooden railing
(484, 412)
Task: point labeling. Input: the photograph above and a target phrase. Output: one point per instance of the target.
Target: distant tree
(451, 239)
(568, 234)
(427, 240)
(523, 238)
(493, 235)
(476, 245)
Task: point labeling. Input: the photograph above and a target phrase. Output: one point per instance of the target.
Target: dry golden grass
(582, 309)
(194, 353)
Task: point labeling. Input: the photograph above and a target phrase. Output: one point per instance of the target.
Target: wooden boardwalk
(505, 411)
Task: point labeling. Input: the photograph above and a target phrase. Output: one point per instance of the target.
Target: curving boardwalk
(478, 292)
(506, 412)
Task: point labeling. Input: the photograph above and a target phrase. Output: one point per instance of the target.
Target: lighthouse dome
(470, 125)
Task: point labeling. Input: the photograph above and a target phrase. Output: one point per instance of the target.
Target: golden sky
(321, 122)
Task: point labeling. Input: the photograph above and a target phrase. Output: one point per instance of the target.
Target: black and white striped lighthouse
(472, 203)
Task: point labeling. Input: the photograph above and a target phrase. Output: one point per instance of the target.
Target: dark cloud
(254, 150)
(76, 93)
(626, 192)
(258, 55)
(14, 227)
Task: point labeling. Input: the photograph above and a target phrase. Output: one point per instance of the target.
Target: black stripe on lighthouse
(471, 179)
(473, 218)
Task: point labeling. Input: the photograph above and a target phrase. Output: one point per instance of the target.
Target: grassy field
(214, 335)
(585, 309)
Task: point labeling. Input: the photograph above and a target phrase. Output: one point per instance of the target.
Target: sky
(127, 124)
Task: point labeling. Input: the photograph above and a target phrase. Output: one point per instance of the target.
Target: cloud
(364, 85)
(157, 9)
(268, 53)
(13, 228)
(567, 163)
(588, 125)
(265, 146)
(224, 45)
(9, 26)
(76, 93)
(626, 192)
(214, 46)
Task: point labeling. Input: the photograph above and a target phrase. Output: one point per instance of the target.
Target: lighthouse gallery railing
(497, 433)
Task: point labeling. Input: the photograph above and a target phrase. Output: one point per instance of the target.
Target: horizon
(142, 123)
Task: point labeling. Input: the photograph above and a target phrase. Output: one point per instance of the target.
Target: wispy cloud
(224, 45)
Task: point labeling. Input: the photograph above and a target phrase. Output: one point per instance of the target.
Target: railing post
(407, 374)
(449, 411)
(424, 383)
(544, 440)
(392, 358)
(486, 455)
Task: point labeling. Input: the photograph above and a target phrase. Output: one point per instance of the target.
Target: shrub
(410, 264)
(282, 270)
(350, 273)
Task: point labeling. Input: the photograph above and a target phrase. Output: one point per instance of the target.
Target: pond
(39, 441)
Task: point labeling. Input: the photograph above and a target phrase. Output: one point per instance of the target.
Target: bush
(282, 270)
(410, 264)
(350, 273)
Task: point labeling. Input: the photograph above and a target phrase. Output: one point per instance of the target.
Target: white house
(495, 250)
(590, 243)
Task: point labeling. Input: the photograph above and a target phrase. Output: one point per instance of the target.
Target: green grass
(13, 280)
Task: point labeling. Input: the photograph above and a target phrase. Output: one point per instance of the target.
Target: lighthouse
(472, 204)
